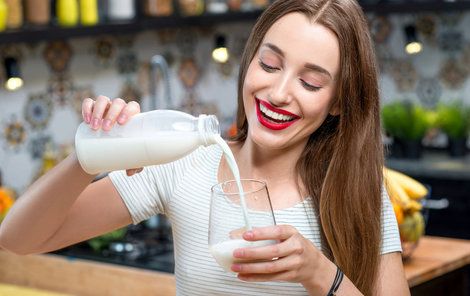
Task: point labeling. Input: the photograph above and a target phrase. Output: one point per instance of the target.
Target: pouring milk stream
(151, 138)
(158, 137)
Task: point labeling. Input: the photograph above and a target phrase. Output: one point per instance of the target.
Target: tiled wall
(46, 108)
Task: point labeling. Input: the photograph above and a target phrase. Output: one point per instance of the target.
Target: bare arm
(63, 207)
(60, 209)
(391, 279)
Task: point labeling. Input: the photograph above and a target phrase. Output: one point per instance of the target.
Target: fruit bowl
(411, 230)
(413, 224)
(408, 197)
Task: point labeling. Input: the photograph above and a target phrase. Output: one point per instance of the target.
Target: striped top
(181, 190)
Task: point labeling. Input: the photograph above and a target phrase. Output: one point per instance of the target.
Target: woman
(308, 124)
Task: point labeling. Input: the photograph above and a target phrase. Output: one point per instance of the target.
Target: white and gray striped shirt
(181, 190)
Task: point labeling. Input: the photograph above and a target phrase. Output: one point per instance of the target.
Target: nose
(280, 94)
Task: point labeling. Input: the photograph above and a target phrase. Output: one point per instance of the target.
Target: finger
(237, 233)
(266, 277)
(268, 267)
(277, 232)
(117, 105)
(87, 109)
(282, 249)
(101, 105)
(132, 108)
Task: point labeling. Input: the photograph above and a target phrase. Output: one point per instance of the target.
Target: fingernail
(122, 118)
(238, 253)
(236, 267)
(96, 123)
(87, 118)
(107, 124)
(249, 234)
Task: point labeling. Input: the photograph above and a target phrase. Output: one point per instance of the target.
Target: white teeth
(274, 115)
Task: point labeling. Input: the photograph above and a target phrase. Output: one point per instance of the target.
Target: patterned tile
(429, 91)
(38, 111)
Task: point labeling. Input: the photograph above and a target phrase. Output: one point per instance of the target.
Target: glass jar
(38, 12)
(158, 7)
(15, 14)
(191, 7)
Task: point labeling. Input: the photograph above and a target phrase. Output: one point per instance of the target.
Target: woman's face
(289, 85)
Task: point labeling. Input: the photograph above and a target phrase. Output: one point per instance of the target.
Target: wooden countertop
(436, 256)
(81, 277)
(14, 290)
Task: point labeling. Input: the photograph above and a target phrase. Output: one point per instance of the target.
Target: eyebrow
(313, 67)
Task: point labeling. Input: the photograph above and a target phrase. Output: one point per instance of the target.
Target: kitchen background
(39, 120)
(66, 50)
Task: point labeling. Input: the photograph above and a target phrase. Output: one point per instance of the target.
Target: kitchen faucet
(159, 62)
(159, 222)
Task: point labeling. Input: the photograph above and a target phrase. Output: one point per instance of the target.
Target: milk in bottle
(149, 138)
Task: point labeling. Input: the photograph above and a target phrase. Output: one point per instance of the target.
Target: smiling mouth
(273, 118)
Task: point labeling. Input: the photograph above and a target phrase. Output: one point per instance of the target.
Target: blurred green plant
(405, 120)
(101, 242)
(453, 118)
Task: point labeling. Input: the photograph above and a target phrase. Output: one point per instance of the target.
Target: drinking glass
(227, 219)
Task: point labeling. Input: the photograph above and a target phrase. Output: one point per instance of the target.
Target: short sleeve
(148, 193)
(390, 234)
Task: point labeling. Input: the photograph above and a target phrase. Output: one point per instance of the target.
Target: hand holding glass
(227, 222)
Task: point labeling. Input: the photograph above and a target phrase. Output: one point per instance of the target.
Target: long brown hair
(341, 165)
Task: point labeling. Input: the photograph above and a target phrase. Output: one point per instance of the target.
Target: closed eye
(309, 87)
(267, 68)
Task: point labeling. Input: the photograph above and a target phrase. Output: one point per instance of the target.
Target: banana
(413, 206)
(413, 188)
(396, 192)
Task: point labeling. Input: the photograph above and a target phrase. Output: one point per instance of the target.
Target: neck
(276, 166)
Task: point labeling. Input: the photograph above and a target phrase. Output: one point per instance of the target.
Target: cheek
(318, 111)
(249, 86)
(250, 79)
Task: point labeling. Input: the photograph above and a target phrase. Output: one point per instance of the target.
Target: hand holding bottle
(148, 138)
(105, 113)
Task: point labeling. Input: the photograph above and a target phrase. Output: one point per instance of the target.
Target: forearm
(41, 210)
(321, 284)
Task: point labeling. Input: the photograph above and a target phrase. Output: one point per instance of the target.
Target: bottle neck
(208, 127)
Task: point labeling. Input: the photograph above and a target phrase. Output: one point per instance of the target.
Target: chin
(267, 140)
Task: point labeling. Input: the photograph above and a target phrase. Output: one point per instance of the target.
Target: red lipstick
(270, 123)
